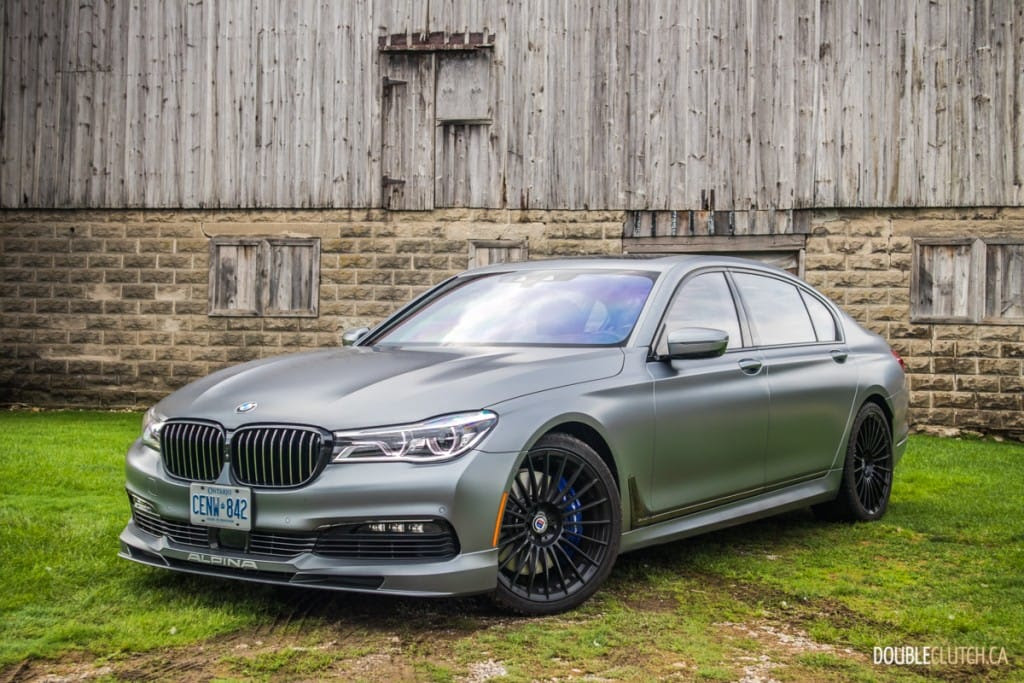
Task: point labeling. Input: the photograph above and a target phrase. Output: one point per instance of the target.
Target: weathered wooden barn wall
(586, 104)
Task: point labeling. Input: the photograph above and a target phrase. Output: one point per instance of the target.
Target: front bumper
(466, 574)
(465, 492)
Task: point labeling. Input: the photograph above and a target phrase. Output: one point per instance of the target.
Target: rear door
(811, 384)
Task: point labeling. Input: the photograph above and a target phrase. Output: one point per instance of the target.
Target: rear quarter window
(776, 310)
(821, 318)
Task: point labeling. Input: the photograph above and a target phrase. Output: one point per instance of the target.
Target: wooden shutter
(293, 277)
(277, 277)
(942, 285)
(1004, 281)
(234, 277)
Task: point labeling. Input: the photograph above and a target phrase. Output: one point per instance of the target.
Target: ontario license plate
(225, 507)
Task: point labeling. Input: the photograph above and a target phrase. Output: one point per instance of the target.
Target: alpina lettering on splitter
(216, 560)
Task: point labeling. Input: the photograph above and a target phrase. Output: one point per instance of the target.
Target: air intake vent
(276, 456)
(192, 450)
(357, 542)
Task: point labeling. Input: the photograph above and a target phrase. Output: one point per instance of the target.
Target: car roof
(651, 263)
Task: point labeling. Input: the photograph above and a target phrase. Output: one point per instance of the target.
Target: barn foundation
(111, 309)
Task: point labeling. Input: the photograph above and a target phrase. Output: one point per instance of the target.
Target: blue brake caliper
(572, 528)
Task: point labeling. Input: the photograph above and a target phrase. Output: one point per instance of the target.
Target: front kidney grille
(276, 456)
(192, 450)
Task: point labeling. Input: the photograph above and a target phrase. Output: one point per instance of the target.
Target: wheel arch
(593, 438)
(878, 398)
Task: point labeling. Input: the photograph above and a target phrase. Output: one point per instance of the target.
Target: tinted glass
(704, 301)
(777, 310)
(824, 323)
(545, 307)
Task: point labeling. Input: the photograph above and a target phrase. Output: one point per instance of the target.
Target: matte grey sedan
(517, 427)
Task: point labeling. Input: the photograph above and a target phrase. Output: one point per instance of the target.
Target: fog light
(404, 527)
(141, 505)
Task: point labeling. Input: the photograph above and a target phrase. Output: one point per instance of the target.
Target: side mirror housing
(697, 342)
(350, 337)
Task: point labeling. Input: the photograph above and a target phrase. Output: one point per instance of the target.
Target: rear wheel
(867, 472)
(560, 532)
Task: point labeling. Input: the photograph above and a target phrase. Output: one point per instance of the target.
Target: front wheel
(867, 473)
(560, 532)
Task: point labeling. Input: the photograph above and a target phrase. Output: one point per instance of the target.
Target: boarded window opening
(774, 237)
(968, 280)
(438, 100)
(488, 252)
(269, 277)
(943, 281)
(463, 89)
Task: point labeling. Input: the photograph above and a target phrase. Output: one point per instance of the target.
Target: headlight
(152, 423)
(440, 438)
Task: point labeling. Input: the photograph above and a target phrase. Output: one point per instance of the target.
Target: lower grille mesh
(179, 532)
(281, 545)
(351, 543)
(342, 542)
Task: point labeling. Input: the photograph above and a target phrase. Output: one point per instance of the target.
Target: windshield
(540, 307)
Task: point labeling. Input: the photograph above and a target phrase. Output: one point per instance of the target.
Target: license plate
(225, 507)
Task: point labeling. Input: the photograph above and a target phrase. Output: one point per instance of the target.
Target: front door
(711, 414)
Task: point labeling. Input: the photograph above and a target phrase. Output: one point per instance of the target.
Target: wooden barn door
(407, 155)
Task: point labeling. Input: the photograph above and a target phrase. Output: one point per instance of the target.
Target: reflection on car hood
(351, 388)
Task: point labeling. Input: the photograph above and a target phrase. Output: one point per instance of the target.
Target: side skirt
(730, 514)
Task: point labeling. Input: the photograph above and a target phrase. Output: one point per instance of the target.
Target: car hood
(351, 388)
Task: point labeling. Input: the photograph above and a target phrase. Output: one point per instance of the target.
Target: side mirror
(697, 342)
(350, 337)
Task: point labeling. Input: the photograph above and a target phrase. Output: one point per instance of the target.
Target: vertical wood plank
(806, 93)
(848, 108)
(871, 101)
(982, 78)
(827, 129)
(698, 157)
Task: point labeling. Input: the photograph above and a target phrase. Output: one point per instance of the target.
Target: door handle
(751, 366)
(839, 356)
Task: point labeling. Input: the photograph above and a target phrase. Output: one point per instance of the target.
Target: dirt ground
(373, 646)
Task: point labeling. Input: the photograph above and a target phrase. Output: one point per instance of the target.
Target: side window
(776, 310)
(704, 301)
(821, 317)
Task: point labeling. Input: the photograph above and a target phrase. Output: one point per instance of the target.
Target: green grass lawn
(945, 568)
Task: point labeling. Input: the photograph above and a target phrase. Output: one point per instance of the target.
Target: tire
(867, 472)
(560, 531)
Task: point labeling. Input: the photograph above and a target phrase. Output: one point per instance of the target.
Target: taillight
(899, 359)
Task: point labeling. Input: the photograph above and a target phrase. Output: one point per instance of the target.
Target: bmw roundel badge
(246, 407)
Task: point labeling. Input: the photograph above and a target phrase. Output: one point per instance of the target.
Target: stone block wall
(962, 377)
(109, 309)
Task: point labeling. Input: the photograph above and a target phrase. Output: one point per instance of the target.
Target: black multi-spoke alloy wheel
(867, 474)
(560, 533)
